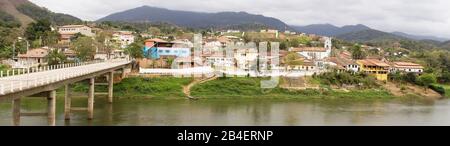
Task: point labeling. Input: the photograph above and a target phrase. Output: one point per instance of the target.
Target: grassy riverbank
(251, 88)
(134, 87)
(226, 88)
(447, 90)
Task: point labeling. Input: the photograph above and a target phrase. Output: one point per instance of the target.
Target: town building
(157, 48)
(34, 57)
(183, 43)
(246, 58)
(218, 59)
(68, 31)
(407, 67)
(315, 53)
(233, 31)
(71, 55)
(123, 38)
(374, 67)
(344, 64)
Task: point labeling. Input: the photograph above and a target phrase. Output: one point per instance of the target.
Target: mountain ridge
(27, 12)
(194, 19)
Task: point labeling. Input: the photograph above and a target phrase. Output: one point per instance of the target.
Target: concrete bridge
(43, 82)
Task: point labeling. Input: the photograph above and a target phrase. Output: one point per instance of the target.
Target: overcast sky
(422, 17)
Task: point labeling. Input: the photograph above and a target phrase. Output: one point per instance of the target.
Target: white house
(344, 64)
(246, 58)
(183, 43)
(220, 61)
(123, 38)
(34, 57)
(315, 53)
(407, 67)
(69, 31)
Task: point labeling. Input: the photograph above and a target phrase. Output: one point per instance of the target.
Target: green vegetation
(161, 87)
(84, 48)
(443, 89)
(293, 59)
(165, 87)
(135, 50)
(3, 68)
(426, 80)
(55, 57)
(251, 88)
(357, 52)
(7, 20)
(40, 33)
(303, 40)
(9, 31)
(38, 13)
(361, 80)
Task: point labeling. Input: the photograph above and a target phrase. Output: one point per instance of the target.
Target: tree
(103, 42)
(357, 52)
(85, 48)
(76, 36)
(284, 45)
(426, 80)
(154, 31)
(410, 78)
(396, 77)
(55, 57)
(7, 38)
(38, 30)
(135, 50)
(169, 62)
(50, 38)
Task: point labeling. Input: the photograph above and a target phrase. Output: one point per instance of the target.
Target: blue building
(157, 48)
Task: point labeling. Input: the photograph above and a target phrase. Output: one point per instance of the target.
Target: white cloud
(423, 17)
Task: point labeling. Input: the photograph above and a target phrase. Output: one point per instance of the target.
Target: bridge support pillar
(51, 108)
(67, 102)
(90, 107)
(110, 86)
(16, 111)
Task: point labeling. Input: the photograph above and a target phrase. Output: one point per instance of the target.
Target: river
(229, 112)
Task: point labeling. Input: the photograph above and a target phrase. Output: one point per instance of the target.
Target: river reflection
(130, 112)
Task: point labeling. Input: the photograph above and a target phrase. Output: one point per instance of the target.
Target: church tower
(328, 45)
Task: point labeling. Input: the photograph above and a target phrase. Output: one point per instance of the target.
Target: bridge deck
(18, 83)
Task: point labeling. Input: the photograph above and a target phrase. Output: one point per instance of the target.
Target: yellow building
(374, 67)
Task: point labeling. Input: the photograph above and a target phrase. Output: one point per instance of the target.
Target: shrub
(439, 89)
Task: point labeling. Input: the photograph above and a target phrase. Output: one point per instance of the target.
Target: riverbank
(139, 87)
(447, 90)
(251, 88)
(231, 88)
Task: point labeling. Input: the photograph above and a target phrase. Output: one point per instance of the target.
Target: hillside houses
(407, 67)
(34, 57)
(69, 31)
(374, 67)
(123, 38)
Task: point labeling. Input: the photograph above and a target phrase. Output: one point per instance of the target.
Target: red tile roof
(35, 53)
(373, 62)
(407, 65)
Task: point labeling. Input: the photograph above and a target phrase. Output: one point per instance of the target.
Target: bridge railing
(35, 78)
(21, 71)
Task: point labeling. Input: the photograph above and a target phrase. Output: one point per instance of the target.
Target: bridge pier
(51, 109)
(90, 107)
(16, 111)
(110, 86)
(67, 102)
